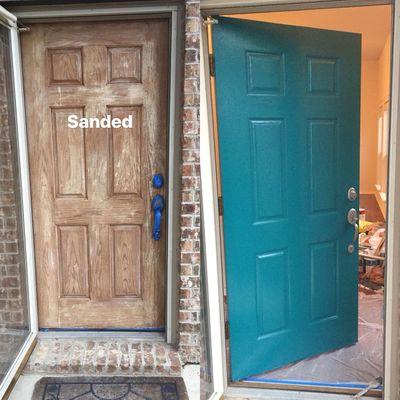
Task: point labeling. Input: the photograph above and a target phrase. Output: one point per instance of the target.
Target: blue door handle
(157, 205)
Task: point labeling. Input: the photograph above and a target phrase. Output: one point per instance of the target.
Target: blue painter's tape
(345, 385)
(133, 330)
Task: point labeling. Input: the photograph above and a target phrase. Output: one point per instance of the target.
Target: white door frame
(173, 11)
(211, 224)
(10, 21)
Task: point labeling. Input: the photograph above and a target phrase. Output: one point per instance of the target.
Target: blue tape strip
(311, 383)
(101, 330)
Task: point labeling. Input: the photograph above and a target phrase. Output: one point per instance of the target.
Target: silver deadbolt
(352, 216)
(352, 194)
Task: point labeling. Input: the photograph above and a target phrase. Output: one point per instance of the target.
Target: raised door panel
(65, 66)
(73, 261)
(69, 153)
(126, 260)
(124, 64)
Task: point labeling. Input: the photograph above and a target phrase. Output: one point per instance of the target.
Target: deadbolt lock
(352, 194)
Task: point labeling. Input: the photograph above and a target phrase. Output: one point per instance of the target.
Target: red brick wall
(189, 314)
(11, 270)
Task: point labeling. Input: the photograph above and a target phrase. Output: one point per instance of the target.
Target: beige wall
(383, 104)
(369, 125)
(375, 93)
(384, 72)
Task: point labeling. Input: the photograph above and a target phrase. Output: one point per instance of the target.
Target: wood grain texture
(124, 64)
(69, 153)
(65, 66)
(74, 261)
(91, 188)
(126, 260)
(125, 149)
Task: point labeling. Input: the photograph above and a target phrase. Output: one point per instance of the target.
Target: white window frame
(211, 224)
(10, 21)
(175, 13)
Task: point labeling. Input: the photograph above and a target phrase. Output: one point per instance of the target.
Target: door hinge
(220, 207)
(23, 28)
(211, 59)
(227, 330)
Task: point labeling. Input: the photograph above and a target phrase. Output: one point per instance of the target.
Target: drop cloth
(360, 363)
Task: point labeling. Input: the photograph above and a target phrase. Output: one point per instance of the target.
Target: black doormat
(110, 388)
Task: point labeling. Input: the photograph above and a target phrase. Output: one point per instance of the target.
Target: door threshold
(317, 388)
(235, 392)
(90, 334)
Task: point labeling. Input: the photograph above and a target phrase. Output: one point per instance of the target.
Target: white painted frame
(49, 12)
(211, 221)
(11, 22)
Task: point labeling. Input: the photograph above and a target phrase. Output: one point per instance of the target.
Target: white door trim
(211, 221)
(174, 12)
(211, 237)
(391, 366)
(11, 21)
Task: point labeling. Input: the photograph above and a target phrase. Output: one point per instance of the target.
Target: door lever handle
(352, 219)
(157, 205)
(355, 237)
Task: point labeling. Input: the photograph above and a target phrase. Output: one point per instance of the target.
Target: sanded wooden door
(97, 263)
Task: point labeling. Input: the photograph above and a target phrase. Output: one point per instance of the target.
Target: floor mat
(352, 366)
(110, 388)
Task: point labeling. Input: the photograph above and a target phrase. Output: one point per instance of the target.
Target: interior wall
(369, 125)
(384, 70)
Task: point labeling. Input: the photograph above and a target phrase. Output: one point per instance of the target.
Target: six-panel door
(97, 263)
(288, 116)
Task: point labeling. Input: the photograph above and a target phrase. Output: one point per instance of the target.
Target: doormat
(110, 388)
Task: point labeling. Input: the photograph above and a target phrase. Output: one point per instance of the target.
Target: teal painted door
(288, 114)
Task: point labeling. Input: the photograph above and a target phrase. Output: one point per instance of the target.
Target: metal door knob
(352, 216)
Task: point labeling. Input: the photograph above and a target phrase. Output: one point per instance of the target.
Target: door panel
(97, 263)
(288, 117)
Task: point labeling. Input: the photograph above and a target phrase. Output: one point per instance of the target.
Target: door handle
(355, 237)
(352, 219)
(157, 205)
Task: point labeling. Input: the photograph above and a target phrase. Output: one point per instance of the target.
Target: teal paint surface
(288, 113)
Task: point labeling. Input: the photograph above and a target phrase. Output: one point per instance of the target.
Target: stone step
(92, 356)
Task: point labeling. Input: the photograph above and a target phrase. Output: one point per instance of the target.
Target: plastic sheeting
(353, 365)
